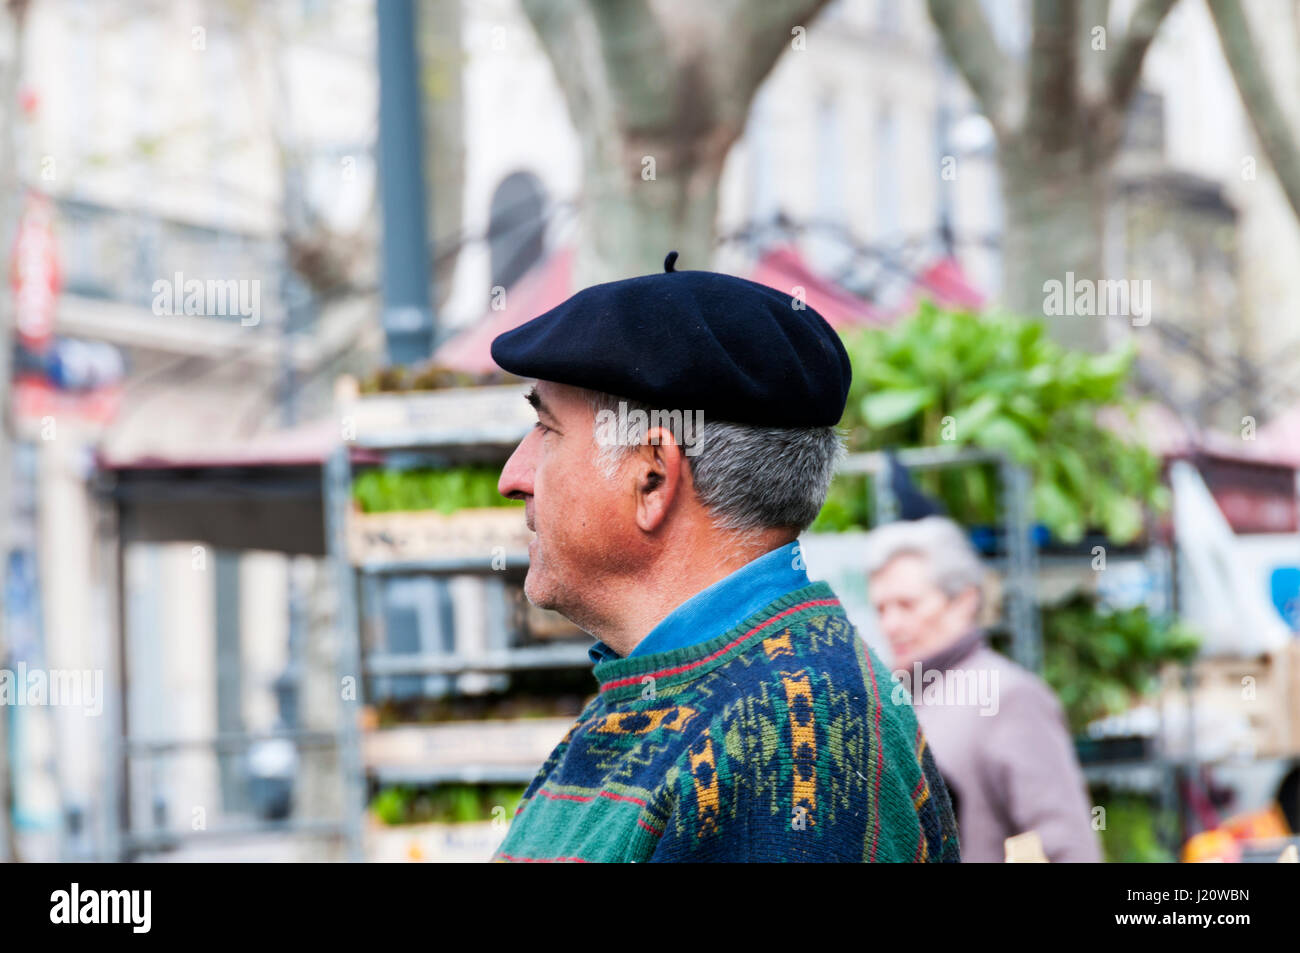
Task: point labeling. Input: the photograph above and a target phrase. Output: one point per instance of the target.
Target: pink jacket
(1001, 742)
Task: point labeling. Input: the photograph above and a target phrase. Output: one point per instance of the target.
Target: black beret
(691, 340)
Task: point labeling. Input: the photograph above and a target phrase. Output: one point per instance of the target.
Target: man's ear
(659, 476)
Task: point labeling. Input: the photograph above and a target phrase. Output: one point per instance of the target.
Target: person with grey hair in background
(999, 734)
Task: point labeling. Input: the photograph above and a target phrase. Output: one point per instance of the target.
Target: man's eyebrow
(539, 405)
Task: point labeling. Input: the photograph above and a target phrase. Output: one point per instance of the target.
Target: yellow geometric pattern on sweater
(921, 743)
(779, 645)
(643, 722)
(803, 743)
(705, 772)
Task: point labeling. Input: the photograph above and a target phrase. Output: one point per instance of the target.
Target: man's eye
(542, 427)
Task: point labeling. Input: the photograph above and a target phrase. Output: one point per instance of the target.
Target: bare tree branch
(566, 33)
(970, 44)
(764, 32)
(1266, 115)
(1126, 68)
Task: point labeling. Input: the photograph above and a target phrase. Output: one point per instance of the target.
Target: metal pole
(1022, 568)
(120, 826)
(885, 499)
(337, 491)
(407, 314)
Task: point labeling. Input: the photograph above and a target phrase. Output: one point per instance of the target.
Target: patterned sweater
(775, 741)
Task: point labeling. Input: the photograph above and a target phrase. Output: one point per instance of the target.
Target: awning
(1280, 437)
(784, 269)
(946, 283)
(264, 493)
(545, 285)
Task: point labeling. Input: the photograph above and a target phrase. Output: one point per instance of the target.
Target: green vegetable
(957, 379)
(382, 491)
(1097, 662)
(445, 803)
(1130, 835)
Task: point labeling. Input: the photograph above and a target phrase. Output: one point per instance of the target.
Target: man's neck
(642, 603)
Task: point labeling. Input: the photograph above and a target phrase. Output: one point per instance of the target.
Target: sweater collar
(633, 676)
(720, 606)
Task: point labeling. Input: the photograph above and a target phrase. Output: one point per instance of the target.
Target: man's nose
(517, 475)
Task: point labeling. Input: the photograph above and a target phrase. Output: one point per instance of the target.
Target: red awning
(946, 283)
(1280, 437)
(542, 287)
(307, 444)
(784, 269)
(1167, 435)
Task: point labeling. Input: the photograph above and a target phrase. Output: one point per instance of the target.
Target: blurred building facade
(214, 140)
(199, 141)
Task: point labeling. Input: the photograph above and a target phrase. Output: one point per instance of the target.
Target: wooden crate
(471, 535)
(442, 417)
(1265, 690)
(523, 742)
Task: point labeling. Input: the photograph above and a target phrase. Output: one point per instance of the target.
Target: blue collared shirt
(721, 606)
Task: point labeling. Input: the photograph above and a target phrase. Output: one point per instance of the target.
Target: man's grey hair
(749, 477)
(954, 565)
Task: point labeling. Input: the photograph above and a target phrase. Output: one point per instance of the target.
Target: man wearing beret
(685, 438)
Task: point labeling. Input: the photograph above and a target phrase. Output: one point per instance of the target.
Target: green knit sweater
(775, 741)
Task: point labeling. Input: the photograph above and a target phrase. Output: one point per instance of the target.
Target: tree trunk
(1055, 222)
(1267, 117)
(658, 91)
(1059, 121)
(629, 223)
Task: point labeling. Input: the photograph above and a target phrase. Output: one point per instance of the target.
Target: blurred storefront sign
(36, 398)
(70, 380)
(34, 274)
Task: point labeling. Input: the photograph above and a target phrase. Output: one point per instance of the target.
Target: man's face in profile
(579, 516)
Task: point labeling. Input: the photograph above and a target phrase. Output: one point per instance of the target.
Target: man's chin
(537, 592)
